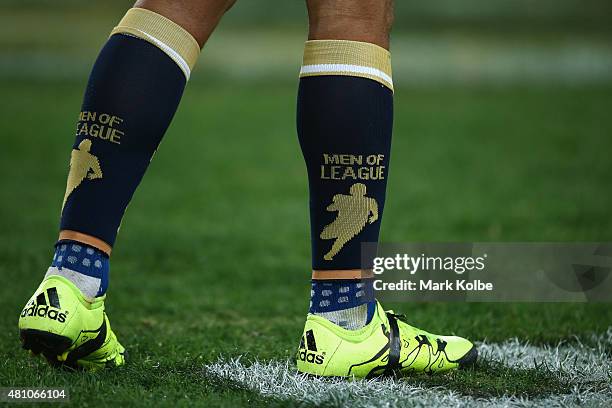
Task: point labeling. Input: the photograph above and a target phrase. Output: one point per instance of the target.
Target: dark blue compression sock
(133, 92)
(344, 121)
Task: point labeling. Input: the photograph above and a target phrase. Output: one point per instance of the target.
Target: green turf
(213, 256)
(493, 379)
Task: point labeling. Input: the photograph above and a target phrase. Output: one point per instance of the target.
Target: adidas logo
(40, 308)
(308, 349)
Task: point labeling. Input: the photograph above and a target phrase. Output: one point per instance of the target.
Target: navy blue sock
(133, 92)
(344, 122)
(83, 265)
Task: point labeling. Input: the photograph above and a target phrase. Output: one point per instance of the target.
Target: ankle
(347, 303)
(85, 266)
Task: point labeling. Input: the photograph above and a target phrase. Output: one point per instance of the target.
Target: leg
(366, 21)
(344, 121)
(133, 92)
(198, 17)
(345, 111)
(188, 26)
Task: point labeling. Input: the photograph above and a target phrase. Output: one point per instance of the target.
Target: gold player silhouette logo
(354, 212)
(82, 165)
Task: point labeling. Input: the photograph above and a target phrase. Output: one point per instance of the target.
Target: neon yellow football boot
(386, 345)
(68, 329)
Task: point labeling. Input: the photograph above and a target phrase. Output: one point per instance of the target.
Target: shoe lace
(398, 316)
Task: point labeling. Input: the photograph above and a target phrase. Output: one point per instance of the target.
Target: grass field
(213, 256)
(507, 140)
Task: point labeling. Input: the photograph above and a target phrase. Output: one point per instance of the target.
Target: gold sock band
(348, 58)
(162, 32)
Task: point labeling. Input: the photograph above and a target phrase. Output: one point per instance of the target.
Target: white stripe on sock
(344, 68)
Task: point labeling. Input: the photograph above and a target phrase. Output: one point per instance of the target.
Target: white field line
(588, 368)
(575, 362)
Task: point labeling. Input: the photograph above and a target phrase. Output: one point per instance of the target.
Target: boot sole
(48, 344)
